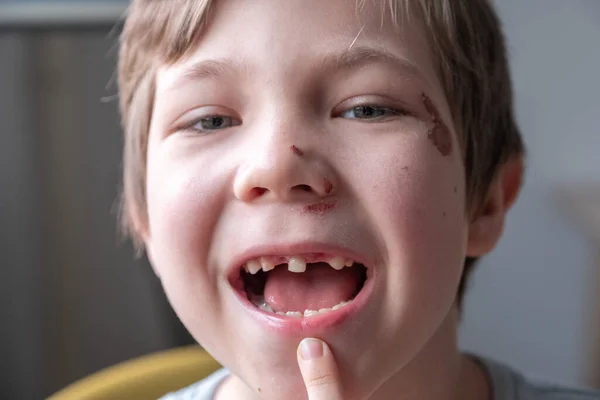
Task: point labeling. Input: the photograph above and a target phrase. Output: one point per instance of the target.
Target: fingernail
(311, 349)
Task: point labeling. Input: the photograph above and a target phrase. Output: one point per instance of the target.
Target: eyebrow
(360, 56)
(206, 69)
(353, 58)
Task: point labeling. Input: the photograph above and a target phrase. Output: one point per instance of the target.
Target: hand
(319, 370)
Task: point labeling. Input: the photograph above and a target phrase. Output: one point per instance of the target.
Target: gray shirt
(506, 385)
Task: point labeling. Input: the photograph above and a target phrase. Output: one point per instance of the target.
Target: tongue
(320, 286)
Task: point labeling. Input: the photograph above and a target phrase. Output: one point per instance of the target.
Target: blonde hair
(466, 40)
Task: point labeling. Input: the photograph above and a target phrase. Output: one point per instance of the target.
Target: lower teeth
(260, 302)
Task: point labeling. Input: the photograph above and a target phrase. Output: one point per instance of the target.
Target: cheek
(183, 205)
(420, 211)
(185, 198)
(179, 215)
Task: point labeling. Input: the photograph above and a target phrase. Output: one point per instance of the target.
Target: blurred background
(73, 299)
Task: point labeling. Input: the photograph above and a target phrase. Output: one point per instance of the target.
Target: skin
(214, 193)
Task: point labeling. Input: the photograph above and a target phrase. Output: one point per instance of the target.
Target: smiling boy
(322, 169)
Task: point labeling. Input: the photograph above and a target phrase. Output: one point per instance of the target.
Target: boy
(313, 182)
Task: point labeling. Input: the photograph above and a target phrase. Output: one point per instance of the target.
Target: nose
(283, 172)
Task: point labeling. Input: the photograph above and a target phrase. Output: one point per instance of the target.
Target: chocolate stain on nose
(318, 208)
(296, 151)
(328, 186)
(439, 134)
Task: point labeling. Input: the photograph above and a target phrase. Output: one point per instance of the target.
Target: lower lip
(313, 325)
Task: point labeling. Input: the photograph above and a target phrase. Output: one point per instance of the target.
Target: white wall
(531, 300)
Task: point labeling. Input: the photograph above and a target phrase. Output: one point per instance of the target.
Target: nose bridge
(280, 163)
(273, 163)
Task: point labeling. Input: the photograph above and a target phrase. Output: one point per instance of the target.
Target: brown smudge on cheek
(439, 134)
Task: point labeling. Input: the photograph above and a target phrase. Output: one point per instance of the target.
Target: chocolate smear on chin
(439, 134)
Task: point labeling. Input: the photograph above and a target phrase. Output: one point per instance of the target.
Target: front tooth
(294, 314)
(349, 263)
(337, 263)
(253, 266)
(296, 264)
(266, 264)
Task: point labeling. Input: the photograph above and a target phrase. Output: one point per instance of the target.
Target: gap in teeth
(296, 264)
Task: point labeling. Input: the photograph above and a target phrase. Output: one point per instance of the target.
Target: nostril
(305, 188)
(258, 191)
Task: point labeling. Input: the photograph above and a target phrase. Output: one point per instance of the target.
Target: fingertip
(319, 370)
(311, 349)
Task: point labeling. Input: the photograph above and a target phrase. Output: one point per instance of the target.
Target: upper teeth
(337, 263)
(295, 264)
(253, 266)
(265, 264)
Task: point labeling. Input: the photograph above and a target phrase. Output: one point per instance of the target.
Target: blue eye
(213, 123)
(369, 112)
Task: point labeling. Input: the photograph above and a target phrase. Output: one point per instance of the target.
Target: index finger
(319, 370)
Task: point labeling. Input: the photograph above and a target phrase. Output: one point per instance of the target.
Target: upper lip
(292, 249)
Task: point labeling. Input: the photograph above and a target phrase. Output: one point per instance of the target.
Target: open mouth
(302, 286)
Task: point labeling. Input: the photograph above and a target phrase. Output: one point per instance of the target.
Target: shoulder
(511, 385)
(202, 390)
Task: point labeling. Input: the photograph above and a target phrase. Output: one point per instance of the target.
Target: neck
(439, 371)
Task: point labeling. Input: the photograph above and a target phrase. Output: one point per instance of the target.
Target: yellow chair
(144, 378)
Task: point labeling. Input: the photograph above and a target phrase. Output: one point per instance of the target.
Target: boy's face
(304, 130)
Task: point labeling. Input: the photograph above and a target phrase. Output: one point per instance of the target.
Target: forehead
(287, 35)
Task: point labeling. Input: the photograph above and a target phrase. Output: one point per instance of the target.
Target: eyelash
(385, 113)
